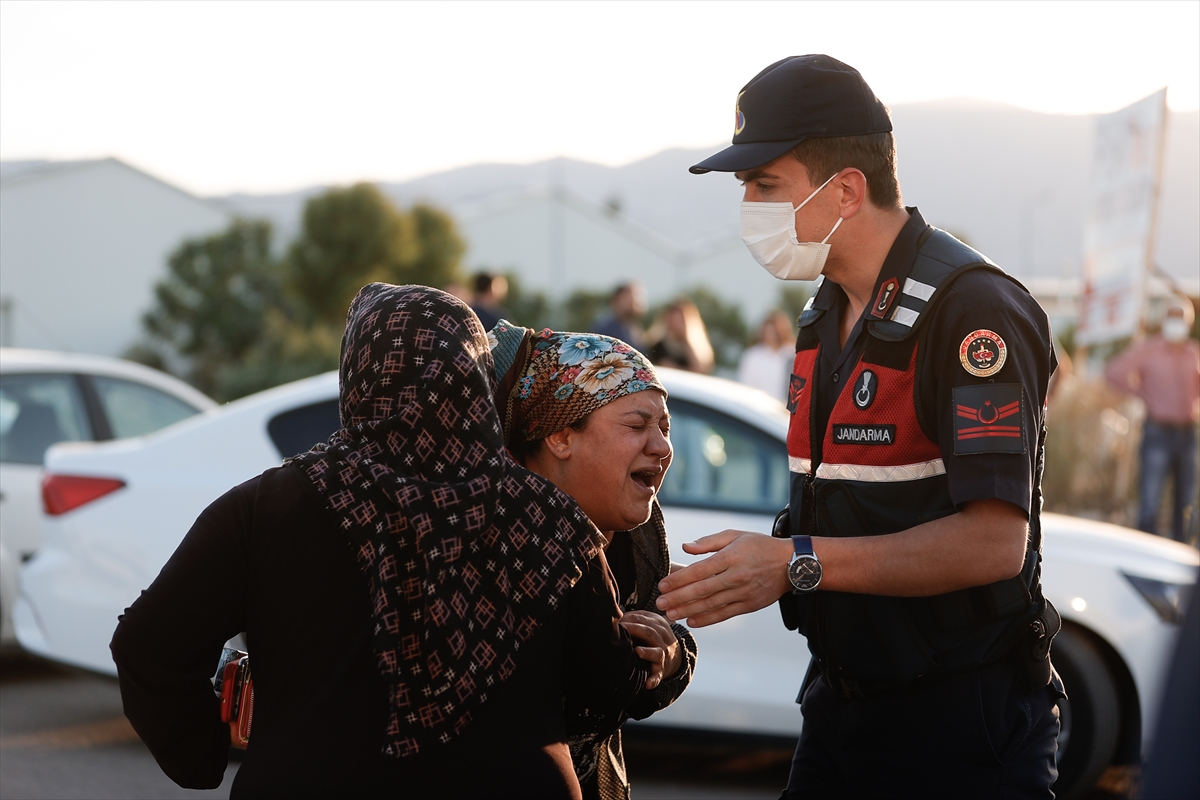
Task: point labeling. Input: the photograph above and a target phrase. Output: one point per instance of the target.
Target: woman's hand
(655, 643)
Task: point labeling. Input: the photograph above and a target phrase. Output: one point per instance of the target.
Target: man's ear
(853, 185)
(558, 444)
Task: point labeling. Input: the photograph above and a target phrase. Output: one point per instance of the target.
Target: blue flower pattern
(580, 348)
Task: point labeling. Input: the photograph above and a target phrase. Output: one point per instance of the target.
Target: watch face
(804, 572)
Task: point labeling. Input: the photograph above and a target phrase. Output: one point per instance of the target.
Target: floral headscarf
(465, 552)
(549, 380)
(545, 382)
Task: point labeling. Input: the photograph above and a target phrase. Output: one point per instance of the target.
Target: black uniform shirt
(979, 300)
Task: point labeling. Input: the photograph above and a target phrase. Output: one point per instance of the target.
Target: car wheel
(1090, 716)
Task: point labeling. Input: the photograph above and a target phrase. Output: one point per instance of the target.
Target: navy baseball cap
(798, 98)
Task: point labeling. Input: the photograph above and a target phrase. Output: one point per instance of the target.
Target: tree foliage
(350, 237)
(210, 308)
(242, 320)
(439, 248)
(584, 308)
(526, 308)
(792, 300)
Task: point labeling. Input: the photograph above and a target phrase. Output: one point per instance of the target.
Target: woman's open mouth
(650, 479)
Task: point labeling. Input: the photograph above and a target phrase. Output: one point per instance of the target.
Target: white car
(118, 510)
(60, 397)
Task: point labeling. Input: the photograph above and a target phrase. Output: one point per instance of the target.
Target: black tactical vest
(845, 484)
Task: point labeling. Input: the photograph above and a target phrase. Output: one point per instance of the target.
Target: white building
(557, 241)
(82, 244)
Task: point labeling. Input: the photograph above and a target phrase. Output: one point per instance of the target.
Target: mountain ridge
(1011, 180)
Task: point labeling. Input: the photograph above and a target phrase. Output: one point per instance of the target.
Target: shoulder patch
(989, 418)
(982, 353)
(795, 387)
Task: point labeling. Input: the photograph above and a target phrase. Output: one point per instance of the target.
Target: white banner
(1118, 236)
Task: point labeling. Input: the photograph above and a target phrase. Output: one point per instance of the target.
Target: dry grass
(1091, 452)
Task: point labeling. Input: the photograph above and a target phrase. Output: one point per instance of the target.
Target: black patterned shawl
(465, 552)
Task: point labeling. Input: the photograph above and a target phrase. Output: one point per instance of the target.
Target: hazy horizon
(266, 96)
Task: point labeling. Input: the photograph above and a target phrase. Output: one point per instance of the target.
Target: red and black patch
(795, 386)
(885, 298)
(989, 418)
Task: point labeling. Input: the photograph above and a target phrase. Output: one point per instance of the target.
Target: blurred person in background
(1163, 371)
(588, 413)
(423, 613)
(627, 306)
(678, 338)
(490, 292)
(767, 364)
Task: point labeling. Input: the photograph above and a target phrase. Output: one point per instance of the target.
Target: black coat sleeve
(167, 643)
(602, 674)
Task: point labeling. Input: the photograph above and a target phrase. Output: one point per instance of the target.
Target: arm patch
(989, 418)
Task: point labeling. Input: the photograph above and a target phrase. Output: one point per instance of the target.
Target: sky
(268, 97)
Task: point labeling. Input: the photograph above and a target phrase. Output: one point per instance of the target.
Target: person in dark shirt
(423, 614)
(627, 306)
(488, 303)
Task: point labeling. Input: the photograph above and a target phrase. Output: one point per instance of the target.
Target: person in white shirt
(767, 363)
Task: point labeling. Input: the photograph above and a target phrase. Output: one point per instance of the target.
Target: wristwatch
(804, 570)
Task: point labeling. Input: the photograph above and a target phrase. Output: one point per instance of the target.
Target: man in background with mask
(910, 559)
(1164, 372)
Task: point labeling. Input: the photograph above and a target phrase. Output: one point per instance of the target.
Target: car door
(727, 474)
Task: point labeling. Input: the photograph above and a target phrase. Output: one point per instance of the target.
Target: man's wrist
(786, 551)
(804, 569)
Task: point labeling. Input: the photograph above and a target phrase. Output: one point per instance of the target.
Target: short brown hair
(874, 154)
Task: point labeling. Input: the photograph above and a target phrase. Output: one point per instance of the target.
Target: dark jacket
(265, 559)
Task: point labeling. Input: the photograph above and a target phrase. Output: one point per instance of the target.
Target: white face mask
(1174, 329)
(769, 232)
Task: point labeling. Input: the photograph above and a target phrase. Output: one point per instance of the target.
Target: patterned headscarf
(465, 552)
(548, 380)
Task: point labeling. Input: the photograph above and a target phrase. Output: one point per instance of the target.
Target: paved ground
(62, 735)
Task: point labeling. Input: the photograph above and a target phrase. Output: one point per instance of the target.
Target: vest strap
(939, 256)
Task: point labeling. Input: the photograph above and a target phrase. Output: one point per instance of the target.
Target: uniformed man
(910, 559)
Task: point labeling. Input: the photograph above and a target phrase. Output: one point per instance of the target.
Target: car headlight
(1168, 599)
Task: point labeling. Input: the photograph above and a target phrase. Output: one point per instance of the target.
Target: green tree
(350, 237)
(440, 248)
(584, 308)
(244, 322)
(530, 309)
(353, 236)
(792, 299)
(210, 308)
(287, 351)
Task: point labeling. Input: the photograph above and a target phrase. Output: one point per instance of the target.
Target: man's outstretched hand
(748, 571)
